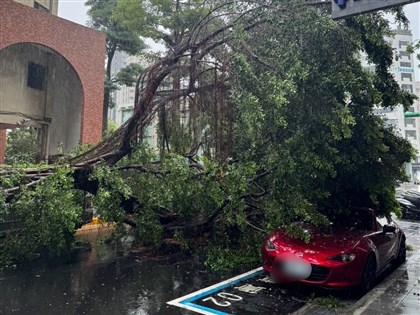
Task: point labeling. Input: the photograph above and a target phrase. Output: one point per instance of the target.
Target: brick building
(51, 76)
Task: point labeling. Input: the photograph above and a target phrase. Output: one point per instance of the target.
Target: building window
(405, 64)
(410, 134)
(40, 7)
(405, 54)
(408, 76)
(411, 109)
(126, 114)
(403, 43)
(391, 122)
(36, 76)
(410, 122)
(407, 87)
(382, 110)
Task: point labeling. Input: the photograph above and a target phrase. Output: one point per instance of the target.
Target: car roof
(405, 202)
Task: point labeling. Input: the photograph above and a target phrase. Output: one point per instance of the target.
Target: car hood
(324, 243)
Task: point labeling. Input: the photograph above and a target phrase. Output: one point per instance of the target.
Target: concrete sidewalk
(397, 293)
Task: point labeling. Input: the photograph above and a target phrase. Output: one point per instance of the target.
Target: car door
(395, 243)
(384, 242)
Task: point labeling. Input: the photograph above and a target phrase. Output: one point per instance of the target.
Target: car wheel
(368, 276)
(402, 253)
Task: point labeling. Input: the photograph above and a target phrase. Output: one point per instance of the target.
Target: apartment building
(416, 163)
(404, 74)
(124, 97)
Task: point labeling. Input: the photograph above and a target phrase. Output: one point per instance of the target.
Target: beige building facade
(404, 73)
(50, 6)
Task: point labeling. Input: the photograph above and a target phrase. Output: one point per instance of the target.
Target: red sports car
(351, 252)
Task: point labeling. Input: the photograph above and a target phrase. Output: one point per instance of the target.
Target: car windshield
(358, 219)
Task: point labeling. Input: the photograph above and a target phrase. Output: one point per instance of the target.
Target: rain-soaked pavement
(106, 280)
(102, 280)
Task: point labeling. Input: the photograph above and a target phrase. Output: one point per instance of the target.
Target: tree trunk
(107, 92)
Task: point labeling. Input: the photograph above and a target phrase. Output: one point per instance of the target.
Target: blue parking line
(186, 301)
(222, 286)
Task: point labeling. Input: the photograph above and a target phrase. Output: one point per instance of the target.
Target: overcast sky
(73, 10)
(76, 11)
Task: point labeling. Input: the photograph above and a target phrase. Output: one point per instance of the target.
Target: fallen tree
(277, 122)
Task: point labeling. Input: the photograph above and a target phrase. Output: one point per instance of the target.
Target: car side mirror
(388, 229)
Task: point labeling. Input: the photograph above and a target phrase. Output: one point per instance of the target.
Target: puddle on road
(101, 280)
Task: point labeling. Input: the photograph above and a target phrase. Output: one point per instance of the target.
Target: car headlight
(269, 245)
(344, 257)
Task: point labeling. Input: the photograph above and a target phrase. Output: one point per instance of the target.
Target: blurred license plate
(297, 268)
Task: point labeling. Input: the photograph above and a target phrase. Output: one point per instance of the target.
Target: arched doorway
(39, 88)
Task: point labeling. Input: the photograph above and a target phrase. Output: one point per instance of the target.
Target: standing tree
(118, 38)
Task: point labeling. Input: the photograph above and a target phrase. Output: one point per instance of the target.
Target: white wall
(15, 96)
(60, 103)
(65, 97)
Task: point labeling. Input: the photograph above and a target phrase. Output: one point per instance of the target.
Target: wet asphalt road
(105, 281)
(100, 285)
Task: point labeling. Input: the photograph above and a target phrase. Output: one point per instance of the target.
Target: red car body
(338, 255)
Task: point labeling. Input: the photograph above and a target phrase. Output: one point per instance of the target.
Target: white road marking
(186, 300)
